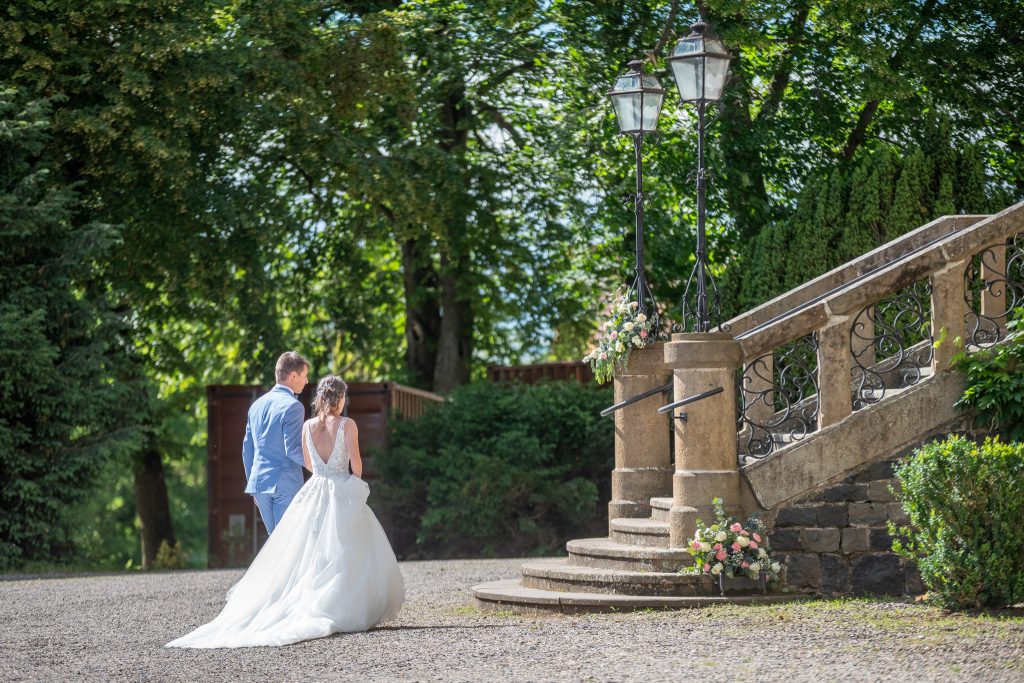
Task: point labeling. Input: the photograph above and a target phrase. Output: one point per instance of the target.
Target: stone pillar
(643, 458)
(947, 313)
(705, 448)
(835, 398)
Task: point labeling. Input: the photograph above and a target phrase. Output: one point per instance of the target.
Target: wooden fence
(531, 374)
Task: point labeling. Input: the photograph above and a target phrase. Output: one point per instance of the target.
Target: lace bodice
(337, 461)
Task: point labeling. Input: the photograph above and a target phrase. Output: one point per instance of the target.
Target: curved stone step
(660, 508)
(510, 594)
(608, 554)
(560, 576)
(648, 533)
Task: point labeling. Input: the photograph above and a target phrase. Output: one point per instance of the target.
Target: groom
(272, 449)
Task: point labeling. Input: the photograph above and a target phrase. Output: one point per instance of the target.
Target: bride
(328, 567)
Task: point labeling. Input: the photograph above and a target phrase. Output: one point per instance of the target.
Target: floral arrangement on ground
(627, 329)
(728, 548)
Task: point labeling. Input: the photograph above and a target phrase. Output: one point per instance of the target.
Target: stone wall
(836, 541)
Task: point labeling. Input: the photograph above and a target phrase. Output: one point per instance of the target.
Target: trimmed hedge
(966, 506)
(499, 470)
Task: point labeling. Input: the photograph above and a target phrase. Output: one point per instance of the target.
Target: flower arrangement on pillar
(728, 548)
(629, 328)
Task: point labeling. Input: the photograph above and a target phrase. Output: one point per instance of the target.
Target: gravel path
(112, 627)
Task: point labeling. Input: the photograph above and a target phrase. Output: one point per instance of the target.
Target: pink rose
(707, 567)
(736, 526)
(643, 334)
(717, 546)
(615, 335)
(736, 546)
(753, 545)
(604, 356)
(757, 537)
(745, 565)
(695, 545)
(720, 555)
(744, 533)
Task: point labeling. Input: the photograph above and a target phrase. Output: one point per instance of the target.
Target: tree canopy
(413, 190)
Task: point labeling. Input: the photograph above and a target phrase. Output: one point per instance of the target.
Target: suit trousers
(272, 507)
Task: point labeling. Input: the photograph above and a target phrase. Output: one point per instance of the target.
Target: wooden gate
(236, 532)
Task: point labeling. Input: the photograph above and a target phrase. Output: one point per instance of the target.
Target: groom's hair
(287, 363)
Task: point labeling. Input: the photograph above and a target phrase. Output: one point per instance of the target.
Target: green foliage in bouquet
(626, 330)
(965, 502)
(732, 549)
(498, 470)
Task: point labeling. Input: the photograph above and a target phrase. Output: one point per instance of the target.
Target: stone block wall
(836, 540)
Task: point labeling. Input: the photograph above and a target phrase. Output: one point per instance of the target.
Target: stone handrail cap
(703, 350)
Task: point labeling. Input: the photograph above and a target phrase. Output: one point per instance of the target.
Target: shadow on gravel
(437, 627)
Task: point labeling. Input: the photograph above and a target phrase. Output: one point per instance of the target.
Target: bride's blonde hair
(330, 392)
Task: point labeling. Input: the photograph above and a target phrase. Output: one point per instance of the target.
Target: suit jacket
(272, 449)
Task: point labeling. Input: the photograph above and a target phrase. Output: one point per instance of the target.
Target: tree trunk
(455, 342)
(422, 312)
(152, 503)
(455, 345)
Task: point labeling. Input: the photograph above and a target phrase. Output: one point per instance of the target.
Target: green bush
(995, 381)
(498, 470)
(966, 506)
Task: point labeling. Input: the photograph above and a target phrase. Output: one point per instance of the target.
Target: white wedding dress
(327, 568)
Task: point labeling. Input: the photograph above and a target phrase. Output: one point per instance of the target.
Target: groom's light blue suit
(272, 452)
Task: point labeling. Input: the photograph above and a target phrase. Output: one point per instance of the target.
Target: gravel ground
(113, 627)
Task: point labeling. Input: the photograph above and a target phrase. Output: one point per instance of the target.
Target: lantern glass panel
(651, 110)
(689, 77)
(628, 110)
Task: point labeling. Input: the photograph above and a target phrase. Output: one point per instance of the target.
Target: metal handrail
(688, 400)
(639, 397)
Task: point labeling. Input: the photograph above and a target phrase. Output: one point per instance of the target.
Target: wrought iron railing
(993, 290)
(891, 343)
(778, 397)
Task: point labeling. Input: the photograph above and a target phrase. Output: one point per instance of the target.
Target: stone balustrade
(845, 328)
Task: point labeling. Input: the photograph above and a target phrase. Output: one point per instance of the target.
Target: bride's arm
(306, 462)
(352, 444)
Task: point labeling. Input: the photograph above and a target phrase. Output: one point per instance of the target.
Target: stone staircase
(819, 384)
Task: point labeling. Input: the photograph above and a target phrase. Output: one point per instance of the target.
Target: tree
(67, 398)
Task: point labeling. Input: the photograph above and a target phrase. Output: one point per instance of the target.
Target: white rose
(755, 568)
(743, 541)
(761, 552)
(641, 318)
(628, 327)
(775, 567)
(638, 342)
(633, 304)
(619, 347)
(717, 569)
(720, 536)
(705, 547)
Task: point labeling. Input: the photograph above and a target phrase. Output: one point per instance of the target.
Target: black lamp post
(637, 98)
(700, 66)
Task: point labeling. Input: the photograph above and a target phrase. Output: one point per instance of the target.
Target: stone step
(511, 594)
(660, 508)
(560, 576)
(649, 533)
(604, 553)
